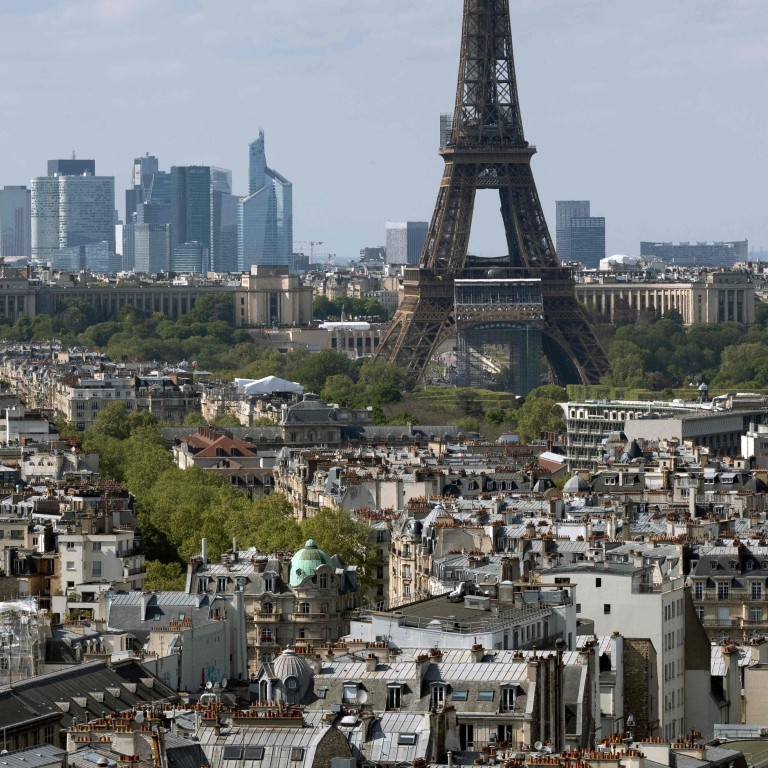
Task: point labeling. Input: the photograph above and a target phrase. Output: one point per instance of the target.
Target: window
(713, 565)
(437, 696)
(202, 584)
(756, 591)
(252, 753)
(750, 565)
(485, 695)
(70, 545)
(406, 590)
(48, 734)
(221, 584)
(598, 582)
(96, 546)
(578, 607)
(394, 696)
(323, 581)
(297, 754)
(321, 693)
(96, 568)
(698, 591)
(755, 614)
(349, 695)
(723, 591)
(406, 738)
(508, 697)
(700, 612)
(70, 565)
(304, 608)
(732, 565)
(459, 695)
(269, 584)
(233, 753)
(606, 608)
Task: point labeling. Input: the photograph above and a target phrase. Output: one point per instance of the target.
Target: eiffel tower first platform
(484, 148)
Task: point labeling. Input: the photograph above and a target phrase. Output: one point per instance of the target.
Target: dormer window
(732, 565)
(349, 694)
(713, 565)
(269, 584)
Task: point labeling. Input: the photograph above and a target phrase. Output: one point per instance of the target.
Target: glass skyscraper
(190, 216)
(265, 215)
(15, 222)
(580, 237)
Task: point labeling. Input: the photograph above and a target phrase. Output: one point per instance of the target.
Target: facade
(271, 296)
(151, 248)
(190, 216)
(307, 597)
(265, 215)
(699, 254)
(717, 297)
(641, 601)
(44, 209)
(405, 241)
(86, 211)
(580, 237)
(71, 167)
(15, 222)
(144, 170)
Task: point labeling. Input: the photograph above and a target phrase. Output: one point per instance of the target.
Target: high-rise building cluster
(185, 219)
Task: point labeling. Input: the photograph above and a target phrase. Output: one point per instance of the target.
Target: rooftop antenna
(74, 156)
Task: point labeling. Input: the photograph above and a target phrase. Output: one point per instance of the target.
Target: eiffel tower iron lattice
(486, 149)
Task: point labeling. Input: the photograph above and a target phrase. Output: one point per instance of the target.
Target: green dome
(306, 561)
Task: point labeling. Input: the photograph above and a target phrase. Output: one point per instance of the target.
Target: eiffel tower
(485, 148)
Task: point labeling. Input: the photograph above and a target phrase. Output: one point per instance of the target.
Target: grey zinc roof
(381, 742)
(35, 757)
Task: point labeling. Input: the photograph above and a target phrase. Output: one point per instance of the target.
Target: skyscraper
(405, 241)
(580, 237)
(144, 170)
(15, 222)
(223, 221)
(190, 215)
(265, 216)
(73, 211)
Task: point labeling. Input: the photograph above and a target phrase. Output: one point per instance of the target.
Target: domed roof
(294, 673)
(576, 484)
(306, 561)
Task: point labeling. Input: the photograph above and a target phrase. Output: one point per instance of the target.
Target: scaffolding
(22, 640)
(499, 326)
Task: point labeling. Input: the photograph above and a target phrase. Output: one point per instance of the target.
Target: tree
(164, 576)
(341, 389)
(268, 524)
(336, 533)
(538, 415)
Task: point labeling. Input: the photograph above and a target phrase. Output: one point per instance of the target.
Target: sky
(655, 111)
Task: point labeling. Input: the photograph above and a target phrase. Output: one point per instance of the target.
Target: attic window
(485, 695)
(732, 565)
(406, 738)
(297, 754)
(253, 753)
(459, 695)
(233, 753)
(713, 565)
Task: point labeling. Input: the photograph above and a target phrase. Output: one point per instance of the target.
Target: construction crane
(311, 244)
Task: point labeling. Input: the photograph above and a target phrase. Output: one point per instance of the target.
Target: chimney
(478, 653)
(234, 549)
(371, 660)
(204, 551)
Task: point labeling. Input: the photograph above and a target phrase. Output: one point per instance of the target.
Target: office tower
(15, 222)
(223, 221)
(699, 254)
(144, 170)
(86, 210)
(70, 211)
(151, 247)
(189, 257)
(44, 209)
(190, 214)
(405, 241)
(71, 167)
(265, 215)
(580, 237)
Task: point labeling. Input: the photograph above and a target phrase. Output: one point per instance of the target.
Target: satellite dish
(538, 745)
(208, 685)
(139, 717)
(224, 682)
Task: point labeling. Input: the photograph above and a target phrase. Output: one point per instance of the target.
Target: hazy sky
(655, 110)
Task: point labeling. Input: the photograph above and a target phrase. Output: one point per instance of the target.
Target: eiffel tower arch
(484, 147)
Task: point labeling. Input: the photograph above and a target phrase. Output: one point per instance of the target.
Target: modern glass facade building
(86, 210)
(580, 237)
(699, 254)
(405, 241)
(190, 215)
(265, 215)
(151, 247)
(70, 211)
(15, 222)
